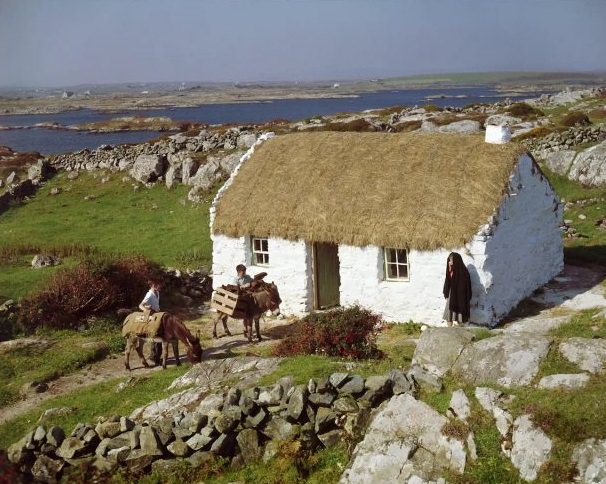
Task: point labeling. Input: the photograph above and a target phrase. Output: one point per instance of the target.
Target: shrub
(346, 332)
(539, 132)
(95, 286)
(407, 126)
(357, 125)
(575, 118)
(524, 110)
(432, 108)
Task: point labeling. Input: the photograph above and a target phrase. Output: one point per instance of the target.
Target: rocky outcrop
(588, 354)
(531, 448)
(590, 459)
(148, 168)
(564, 382)
(438, 348)
(404, 442)
(589, 166)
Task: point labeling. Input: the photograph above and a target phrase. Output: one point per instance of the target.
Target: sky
(69, 42)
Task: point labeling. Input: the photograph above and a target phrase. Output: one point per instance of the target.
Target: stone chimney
(497, 135)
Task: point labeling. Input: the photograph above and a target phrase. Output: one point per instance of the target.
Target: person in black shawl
(457, 290)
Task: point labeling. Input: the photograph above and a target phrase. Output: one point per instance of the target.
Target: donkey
(262, 297)
(172, 330)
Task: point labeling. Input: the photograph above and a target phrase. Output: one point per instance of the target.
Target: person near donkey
(457, 291)
(149, 306)
(242, 281)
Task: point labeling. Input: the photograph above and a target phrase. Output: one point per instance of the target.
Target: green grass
(584, 324)
(18, 278)
(65, 352)
(88, 404)
(155, 222)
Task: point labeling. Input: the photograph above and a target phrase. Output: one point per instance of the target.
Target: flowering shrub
(93, 287)
(345, 332)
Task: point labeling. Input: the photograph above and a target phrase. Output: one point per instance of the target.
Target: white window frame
(398, 264)
(259, 257)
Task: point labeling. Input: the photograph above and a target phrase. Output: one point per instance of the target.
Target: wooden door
(326, 275)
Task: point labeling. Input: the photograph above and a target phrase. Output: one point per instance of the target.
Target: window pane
(264, 245)
(256, 245)
(401, 254)
(390, 255)
(392, 271)
(402, 271)
(265, 258)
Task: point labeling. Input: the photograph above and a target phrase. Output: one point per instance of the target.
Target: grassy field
(111, 217)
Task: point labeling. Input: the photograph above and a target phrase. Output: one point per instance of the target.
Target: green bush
(575, 118)
(345, 332)
(524, 110)
(94, 287)
(432, 108)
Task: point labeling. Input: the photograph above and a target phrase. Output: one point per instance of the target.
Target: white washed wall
(289, 267)
(523, 249)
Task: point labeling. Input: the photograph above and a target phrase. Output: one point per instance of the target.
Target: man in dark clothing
(457, 290)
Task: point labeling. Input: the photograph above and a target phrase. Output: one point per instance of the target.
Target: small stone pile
(566, 139)
(243, 425)
(192, 284)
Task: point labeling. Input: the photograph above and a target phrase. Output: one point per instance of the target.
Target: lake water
(49, 141)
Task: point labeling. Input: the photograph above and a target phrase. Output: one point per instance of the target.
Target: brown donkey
(262, 297)
(172, 330)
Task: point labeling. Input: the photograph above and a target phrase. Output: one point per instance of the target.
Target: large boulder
(588, 354)
(559, 161)
(590, 459)
(404, 442)
(39, 171)
(148, 168)
(439, 348)
(531, 448)
(461, 127)
(508, 359)
(572, 381)
(502, 120)
(589, 167)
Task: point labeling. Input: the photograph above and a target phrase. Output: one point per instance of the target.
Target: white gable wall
(523, 249)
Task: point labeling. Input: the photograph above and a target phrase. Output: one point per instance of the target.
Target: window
(396, 264)
(260, 251)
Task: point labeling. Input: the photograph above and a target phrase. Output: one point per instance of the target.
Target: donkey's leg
(248, 329)
(225, 325)
(164, 353)
(139, 347)
(257, 327)
(215, 325)
(175, 345)
(127, 350)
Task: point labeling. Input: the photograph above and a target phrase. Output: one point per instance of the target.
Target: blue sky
(66, 42)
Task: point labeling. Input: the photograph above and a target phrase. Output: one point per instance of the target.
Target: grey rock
(279, 429)
(233, 396)
(564, 382)
(400, 382)
(297, 402)
(41, 260)
(332, 438)
(508, 359)
(198, 459)
(531, 448)
(425, 379)
(55, 191)
(224, 445)
(325, 420)
(589, 167)
(194, 421)
(178, 448)
(108, 429)
(246, 140)
(19, 455)
(271, 450)
(459, 405)
(353, 386)
(39, 434)
(560, 161)
(254, 421)
(590, 459)
(270, 395)
(378, 388)
(225, 423)
(199, 442)
(118, 455)
(55, 436)
(148, 168)
(502, 120)
(439, 348)
(126, 424)
(338, 379)
(173, 176)
(404, 441)
(46, 469)
(322, 399)
(149, 442)
(11, 177)
(345, 404)
(139, 460)
(461, 127)
(312, 385)
(73, 447)
(588, 354)
(248, 442)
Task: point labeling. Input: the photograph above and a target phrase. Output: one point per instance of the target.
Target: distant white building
(369, 218)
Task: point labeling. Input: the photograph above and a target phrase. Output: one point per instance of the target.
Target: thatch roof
(419, 190)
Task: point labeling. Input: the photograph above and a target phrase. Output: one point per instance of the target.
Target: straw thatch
(421, 191)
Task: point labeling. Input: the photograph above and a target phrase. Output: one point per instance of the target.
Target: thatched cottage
(369, 218)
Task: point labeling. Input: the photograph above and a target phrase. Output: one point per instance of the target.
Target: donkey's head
(274, 299)
(194, 350)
